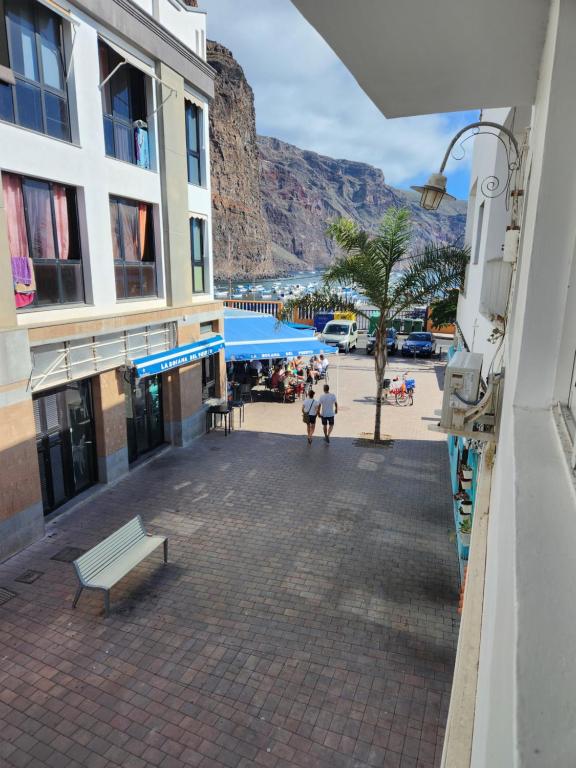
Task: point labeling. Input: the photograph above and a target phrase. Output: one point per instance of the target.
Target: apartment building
(512, 702)
(110, 337)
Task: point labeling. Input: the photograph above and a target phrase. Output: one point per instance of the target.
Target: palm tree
(369, 261)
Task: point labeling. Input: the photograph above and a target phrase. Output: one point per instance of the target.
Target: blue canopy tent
(252, 336)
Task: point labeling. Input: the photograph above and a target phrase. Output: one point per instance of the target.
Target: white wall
(489, 159)
(188, 24)
(526, 708)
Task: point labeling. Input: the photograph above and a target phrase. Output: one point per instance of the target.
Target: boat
(221, 294)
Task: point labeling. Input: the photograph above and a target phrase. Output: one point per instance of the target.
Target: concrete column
(184, 415)
(174, 177)
(110, 419)
(21, 513)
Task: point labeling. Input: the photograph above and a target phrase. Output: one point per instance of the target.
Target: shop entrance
(144, 416)
(65, 441)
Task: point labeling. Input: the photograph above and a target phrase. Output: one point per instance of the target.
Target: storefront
(65, 441)
(144, 415)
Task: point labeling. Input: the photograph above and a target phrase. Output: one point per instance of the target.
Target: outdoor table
(219, 407)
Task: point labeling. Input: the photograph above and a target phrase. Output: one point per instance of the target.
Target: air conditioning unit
(461, 383)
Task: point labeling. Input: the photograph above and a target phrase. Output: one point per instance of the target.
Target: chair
(240, 405)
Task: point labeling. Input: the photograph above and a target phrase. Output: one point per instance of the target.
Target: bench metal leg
(166, 551)
(77, 595)
(107, 602)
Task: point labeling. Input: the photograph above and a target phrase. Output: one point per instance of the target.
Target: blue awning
(173, 358)
(251, 336)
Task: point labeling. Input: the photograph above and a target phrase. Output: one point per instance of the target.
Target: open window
(133, 248)
(33, 92)
(124, 106)
(44, 241)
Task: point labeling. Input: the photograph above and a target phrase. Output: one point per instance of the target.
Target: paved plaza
(307, 617)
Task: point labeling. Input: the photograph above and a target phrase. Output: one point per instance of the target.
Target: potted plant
(466, 472)
(465, 484)
(465, 509)
(465, 531)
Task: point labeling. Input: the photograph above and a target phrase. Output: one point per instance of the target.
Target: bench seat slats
(108, 562)
(112, 574)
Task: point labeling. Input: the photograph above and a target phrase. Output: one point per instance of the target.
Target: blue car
(391, 343)
(419, 343)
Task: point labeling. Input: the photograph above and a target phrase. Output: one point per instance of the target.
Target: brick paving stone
(307, 617)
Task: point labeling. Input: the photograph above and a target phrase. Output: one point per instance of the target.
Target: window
(478, 238)
(194, 143)
(197, 243)
(133, 248)
(205, 329)
(38, 99)
(43, 236)
(124, 108)
(208, 377)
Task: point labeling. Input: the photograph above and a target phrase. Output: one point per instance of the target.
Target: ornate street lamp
(434, 191)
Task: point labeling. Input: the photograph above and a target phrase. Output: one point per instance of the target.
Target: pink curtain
(14, 203)
(62, 227)
(142, 222)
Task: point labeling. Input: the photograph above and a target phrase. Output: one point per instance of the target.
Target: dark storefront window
(144, 416)
(44, 241)
(197, 242)
(65, 441)
(208, 377)
(38, 99)
(124, 108)
(133, 248)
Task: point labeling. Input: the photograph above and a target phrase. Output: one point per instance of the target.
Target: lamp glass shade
(433, 192)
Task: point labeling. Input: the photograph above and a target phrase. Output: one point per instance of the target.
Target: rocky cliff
(272, 201)
(241, 237)
(303, 191)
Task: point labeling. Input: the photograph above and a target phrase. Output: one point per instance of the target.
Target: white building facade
(105, 246)
(513, 695)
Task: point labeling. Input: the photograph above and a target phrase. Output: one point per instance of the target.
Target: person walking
(309, 413)
(328, 409)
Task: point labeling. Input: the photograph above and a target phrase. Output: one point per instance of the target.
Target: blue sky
(305, 95)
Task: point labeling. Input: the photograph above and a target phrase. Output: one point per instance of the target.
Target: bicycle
(404, 391)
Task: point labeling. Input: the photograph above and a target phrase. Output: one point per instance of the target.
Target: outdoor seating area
(281, 380)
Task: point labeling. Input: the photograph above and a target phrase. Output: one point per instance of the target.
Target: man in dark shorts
(328, 409)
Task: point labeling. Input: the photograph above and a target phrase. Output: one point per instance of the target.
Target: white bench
(105, 564)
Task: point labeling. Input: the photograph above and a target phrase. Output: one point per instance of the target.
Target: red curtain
(142, 224)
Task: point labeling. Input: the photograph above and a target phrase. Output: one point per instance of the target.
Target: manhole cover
(29, 577)
(68, 554)
(6, 595)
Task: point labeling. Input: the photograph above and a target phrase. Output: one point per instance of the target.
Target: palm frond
(431, 275)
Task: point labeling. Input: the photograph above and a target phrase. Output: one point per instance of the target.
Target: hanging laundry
(24, 280)
(141, 144)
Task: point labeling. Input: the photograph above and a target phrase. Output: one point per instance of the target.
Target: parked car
(419, 343)
(391, 342)
(340, 333)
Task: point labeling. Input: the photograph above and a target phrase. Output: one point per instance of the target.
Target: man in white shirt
(328, 409)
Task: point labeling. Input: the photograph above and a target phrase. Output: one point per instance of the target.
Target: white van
(340, 333)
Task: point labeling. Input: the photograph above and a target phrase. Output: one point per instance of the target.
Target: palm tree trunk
(380, 355)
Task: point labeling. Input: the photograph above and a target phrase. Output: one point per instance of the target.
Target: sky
(305, 96)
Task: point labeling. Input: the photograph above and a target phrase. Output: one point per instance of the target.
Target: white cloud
(304, 95)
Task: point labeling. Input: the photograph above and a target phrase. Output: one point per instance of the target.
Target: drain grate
(29, 577)
(68, 554)
(6, 595)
